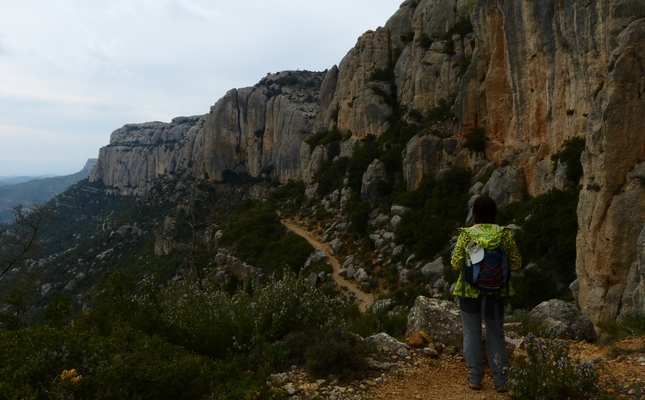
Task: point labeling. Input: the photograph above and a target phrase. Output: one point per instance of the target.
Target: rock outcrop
(531, 74)
(564, 320)
(257, 130)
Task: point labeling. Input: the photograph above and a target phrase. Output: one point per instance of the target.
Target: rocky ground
(402, 372)
(423, 376)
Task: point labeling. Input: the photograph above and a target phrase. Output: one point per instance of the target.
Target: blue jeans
(495, 347)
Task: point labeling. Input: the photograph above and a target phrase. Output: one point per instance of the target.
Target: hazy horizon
(73, 72)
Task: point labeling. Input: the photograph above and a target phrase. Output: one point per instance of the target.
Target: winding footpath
(366, 299)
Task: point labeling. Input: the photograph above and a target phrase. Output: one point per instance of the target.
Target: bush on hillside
(548, 372)
(75, 364)
(437, 208)
(476, 139)
(632, 323)
(257, 237)
(570, 156)
(243, 320)
(337, 352)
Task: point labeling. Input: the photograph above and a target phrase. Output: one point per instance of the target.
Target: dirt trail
(366, 299)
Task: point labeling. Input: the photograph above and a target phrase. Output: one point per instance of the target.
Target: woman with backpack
(485, 254)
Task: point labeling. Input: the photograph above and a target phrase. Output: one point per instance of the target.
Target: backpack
(486, 270)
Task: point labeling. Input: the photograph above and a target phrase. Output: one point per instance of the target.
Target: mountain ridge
(532, 76)
(38, 190)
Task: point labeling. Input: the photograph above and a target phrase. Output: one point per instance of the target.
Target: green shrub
(337, 352)
(257, 237)
(59, 309)
(291, 305)
(548, 234)
(215, 323)
(476, 139)
(530, 325)
(449, 48)
(462, 27)
(598, 89)
(331, 175)
(370, 323)
(632, 323)
(437, 208)
(466, 9)
(364, 155)
(382, 74)
(407, 295)
(570, 156)
(532, 288)
(425, 41)
(463, 66)
(125, 364)
(548, 372)
(408, 37)
(439, 113)
(324, 138)
(548, 238)
(289, 197)
(359, 213)
(322, 213)
(205, 321)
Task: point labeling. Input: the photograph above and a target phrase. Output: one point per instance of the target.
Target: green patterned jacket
(488, 236)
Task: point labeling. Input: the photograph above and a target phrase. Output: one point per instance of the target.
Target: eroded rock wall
(531, 73)
(257, 130)
(611, 209)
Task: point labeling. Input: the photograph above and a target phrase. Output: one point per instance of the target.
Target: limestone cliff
(532, 74)
(254, 130)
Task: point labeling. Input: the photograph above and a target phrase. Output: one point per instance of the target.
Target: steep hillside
(448, 83)
(38, 191)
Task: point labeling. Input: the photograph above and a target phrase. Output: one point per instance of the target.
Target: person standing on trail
(482, 290)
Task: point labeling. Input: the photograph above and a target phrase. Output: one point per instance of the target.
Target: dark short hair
(484, 210)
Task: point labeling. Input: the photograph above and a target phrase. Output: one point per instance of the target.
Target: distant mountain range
(13, 180)
(29, 190)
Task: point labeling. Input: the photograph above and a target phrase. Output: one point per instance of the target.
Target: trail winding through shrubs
(366, 299)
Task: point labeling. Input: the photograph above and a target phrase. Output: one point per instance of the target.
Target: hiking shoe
(474, 386)
(501, 389)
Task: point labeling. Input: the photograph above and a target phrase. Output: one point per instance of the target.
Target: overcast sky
(72, 71)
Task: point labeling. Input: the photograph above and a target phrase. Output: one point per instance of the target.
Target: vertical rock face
(423, 156)
(255, 130)
(611, 209)
(531, 73)
(137, 153)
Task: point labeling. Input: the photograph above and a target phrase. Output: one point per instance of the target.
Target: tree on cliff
(19, 240)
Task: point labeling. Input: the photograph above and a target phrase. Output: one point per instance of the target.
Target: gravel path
(366, 299)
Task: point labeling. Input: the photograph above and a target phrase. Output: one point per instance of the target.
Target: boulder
(70, 286)
(433, 270)
(505, 185)
(336, 245)
(440, 319)
(418, 339)
(350, 271)
(564, 320)
(374, 174)
(348, 261)
(403, 276)
(361, 276)
(311, 192)
(398, 210)
(383, 305)
(398, 249)
(383, 341)
(312, 279)
(380, 220)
